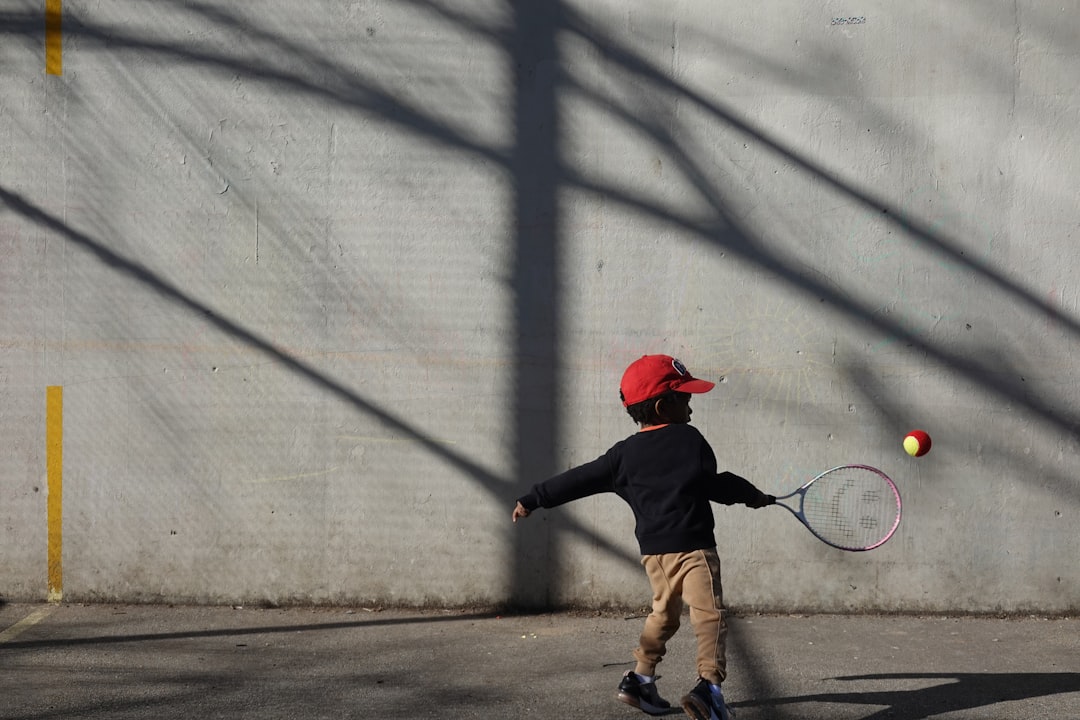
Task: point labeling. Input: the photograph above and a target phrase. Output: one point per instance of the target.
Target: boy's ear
(657, 408)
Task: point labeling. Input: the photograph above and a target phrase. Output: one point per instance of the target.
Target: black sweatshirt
(667, 475)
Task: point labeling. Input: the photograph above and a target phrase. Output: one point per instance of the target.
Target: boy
(667, 473)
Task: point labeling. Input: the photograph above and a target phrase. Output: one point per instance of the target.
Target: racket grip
(762, 500)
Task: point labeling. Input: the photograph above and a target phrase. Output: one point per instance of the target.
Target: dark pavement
(110, 661)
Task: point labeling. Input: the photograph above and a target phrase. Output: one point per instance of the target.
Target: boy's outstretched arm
(573, 484)
(520, 512)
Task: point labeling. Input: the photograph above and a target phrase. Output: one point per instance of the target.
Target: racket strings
(851, 507)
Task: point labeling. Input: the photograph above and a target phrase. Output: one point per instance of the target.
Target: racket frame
(801, 493)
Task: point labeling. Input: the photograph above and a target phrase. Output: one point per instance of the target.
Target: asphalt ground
(112, 661)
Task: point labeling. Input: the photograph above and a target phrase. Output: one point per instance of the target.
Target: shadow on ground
(953, 693)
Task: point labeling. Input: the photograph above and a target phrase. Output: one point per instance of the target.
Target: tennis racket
(851, 507)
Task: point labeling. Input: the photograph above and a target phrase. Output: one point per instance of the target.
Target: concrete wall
(326, 285)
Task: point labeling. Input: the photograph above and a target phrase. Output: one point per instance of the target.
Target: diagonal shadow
(499, 488)
(725, 230)
(861, 377)
(138, 272)
(957, 692)
(630, 61)
(229, 632)
(533, 163)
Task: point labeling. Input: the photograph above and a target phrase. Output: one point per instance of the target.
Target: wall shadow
(725, 229)
(539, 173)
(534, 166)
(500, 488)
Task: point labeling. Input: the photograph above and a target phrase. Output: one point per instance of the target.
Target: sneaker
(642, 695)
(701, 704)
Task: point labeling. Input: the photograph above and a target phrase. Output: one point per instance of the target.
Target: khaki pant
(692, 578)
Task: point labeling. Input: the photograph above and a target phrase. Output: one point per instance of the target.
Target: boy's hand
(520, 512)
(763, 500)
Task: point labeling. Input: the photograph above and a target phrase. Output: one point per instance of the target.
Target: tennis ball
(917, 443)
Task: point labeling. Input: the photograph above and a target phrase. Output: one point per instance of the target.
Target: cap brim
(695, 386)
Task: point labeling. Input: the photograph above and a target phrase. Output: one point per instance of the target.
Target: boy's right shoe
(643, 696)
(701, 704)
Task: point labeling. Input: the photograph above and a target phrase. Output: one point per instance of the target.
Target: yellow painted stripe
(54, 462)
(25, 624)
(54, 38)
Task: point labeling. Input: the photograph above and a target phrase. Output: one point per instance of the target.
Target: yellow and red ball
(917, 443)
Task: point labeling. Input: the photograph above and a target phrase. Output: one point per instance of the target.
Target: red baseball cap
(653, 375)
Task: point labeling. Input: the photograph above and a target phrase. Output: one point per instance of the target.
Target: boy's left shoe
(643, 696)
(701, 704)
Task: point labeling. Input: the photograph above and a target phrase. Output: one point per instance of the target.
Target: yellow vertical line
(54, 38)
(54, 462)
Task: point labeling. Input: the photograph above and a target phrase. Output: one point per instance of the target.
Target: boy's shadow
(966, 691)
